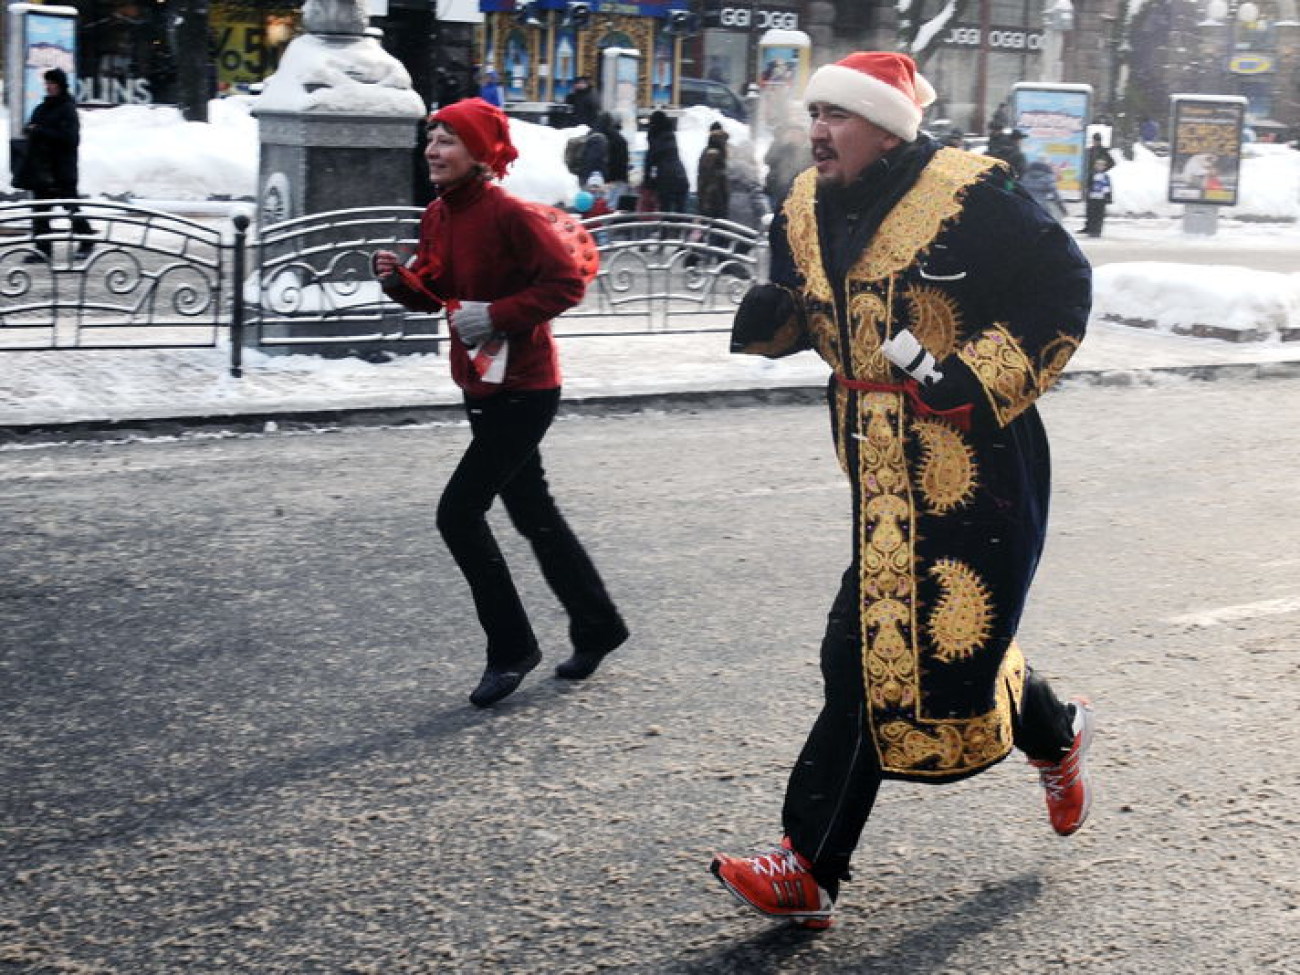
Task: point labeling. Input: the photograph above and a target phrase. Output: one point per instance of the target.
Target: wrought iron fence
(666, 272)
(150, 279)
(311, 285)
(141, 278)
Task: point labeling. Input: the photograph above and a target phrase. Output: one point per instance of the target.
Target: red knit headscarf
(484, 129)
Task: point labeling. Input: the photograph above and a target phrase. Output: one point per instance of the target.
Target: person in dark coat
(49, 168)
(665, 176)
(595, 155)
(1098, 151)
(945, 303)
(1099, 196)
(1010, 150)
(495, 263)
(711, 190)
(582, 100)
(617, 175)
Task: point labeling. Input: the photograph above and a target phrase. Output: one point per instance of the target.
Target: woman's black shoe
(497, 684)
(583, 663)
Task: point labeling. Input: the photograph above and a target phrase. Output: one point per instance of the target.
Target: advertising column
(40, 38)
(1205, 156)
(1054, 119)
(732, 29)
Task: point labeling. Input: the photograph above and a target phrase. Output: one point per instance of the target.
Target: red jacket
(479, 243)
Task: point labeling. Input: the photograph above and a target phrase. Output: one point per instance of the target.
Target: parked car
(712, 94)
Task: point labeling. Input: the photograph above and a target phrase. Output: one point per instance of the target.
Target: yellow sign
(1250, 64)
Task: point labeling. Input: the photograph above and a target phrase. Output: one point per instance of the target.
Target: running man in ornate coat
(946, 302)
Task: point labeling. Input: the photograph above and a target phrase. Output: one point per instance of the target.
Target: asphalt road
(236, 740)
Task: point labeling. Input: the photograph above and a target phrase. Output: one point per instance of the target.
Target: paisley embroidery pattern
(935, 319)
(947, 466)
(1053, 357)
(1004, 371)
(962, 619)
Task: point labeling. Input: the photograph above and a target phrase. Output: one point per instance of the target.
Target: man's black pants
(41, 215)
(834, 783)
(504, 459)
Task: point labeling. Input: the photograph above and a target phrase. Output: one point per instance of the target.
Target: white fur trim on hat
(887, 105)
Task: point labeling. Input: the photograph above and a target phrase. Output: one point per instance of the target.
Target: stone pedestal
(315, 163)
(338, 121)
(338, 126)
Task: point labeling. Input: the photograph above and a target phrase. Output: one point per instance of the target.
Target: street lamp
(1058, 17)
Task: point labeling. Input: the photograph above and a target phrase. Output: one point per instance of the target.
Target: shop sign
(1000, 38)
(751, 18)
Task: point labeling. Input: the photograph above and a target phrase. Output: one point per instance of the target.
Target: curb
(263, 422)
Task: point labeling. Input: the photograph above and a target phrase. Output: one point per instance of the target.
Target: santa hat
(881, 86)
(484, 129)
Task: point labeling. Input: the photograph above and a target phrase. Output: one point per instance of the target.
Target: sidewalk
(70, 393)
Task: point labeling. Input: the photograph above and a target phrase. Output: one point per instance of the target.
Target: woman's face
(449, 161)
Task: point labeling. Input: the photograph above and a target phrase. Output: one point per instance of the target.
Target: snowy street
(236, 735)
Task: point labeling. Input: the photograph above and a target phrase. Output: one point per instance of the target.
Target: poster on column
(1055, 121)
(40, 38)
(1205, 148)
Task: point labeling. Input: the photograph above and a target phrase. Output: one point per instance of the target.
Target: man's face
(845, 144)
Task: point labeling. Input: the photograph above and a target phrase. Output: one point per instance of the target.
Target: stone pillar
(338, 121)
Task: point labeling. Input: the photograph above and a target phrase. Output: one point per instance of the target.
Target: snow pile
(1214, 301)
(151, 152)
(342, 75)
(1269, 188)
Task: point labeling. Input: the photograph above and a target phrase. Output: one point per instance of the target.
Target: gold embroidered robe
(949, 523)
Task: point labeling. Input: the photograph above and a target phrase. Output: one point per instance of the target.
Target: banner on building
(1205, 148)
(1054, 119)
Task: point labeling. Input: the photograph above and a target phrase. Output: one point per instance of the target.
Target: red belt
(958, 416)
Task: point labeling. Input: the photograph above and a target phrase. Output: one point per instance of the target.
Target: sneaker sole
(814, 921)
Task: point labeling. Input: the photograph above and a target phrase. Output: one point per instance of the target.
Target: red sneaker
(778, 884)
(1069, 792)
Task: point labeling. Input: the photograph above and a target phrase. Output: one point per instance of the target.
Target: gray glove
(905, 351)
(472, 322)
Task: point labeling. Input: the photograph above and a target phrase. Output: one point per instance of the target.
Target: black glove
(763, 310)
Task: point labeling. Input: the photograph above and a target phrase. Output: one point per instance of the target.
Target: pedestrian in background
(1039, 181)
(50, 167)
(495, 264)
(617, 174)
(1099, 196)
(582, 100)
(711, 189)
(1009, 148)
(786, 158)
(490, 90)
(945, 302)
(1098, 151)
(664, 184)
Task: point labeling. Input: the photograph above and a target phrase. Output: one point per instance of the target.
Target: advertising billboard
(1055, 120)
(1205, 148)
(40, 38)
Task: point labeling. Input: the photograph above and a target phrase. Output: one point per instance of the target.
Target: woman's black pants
(504, 459)
(834, 783)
